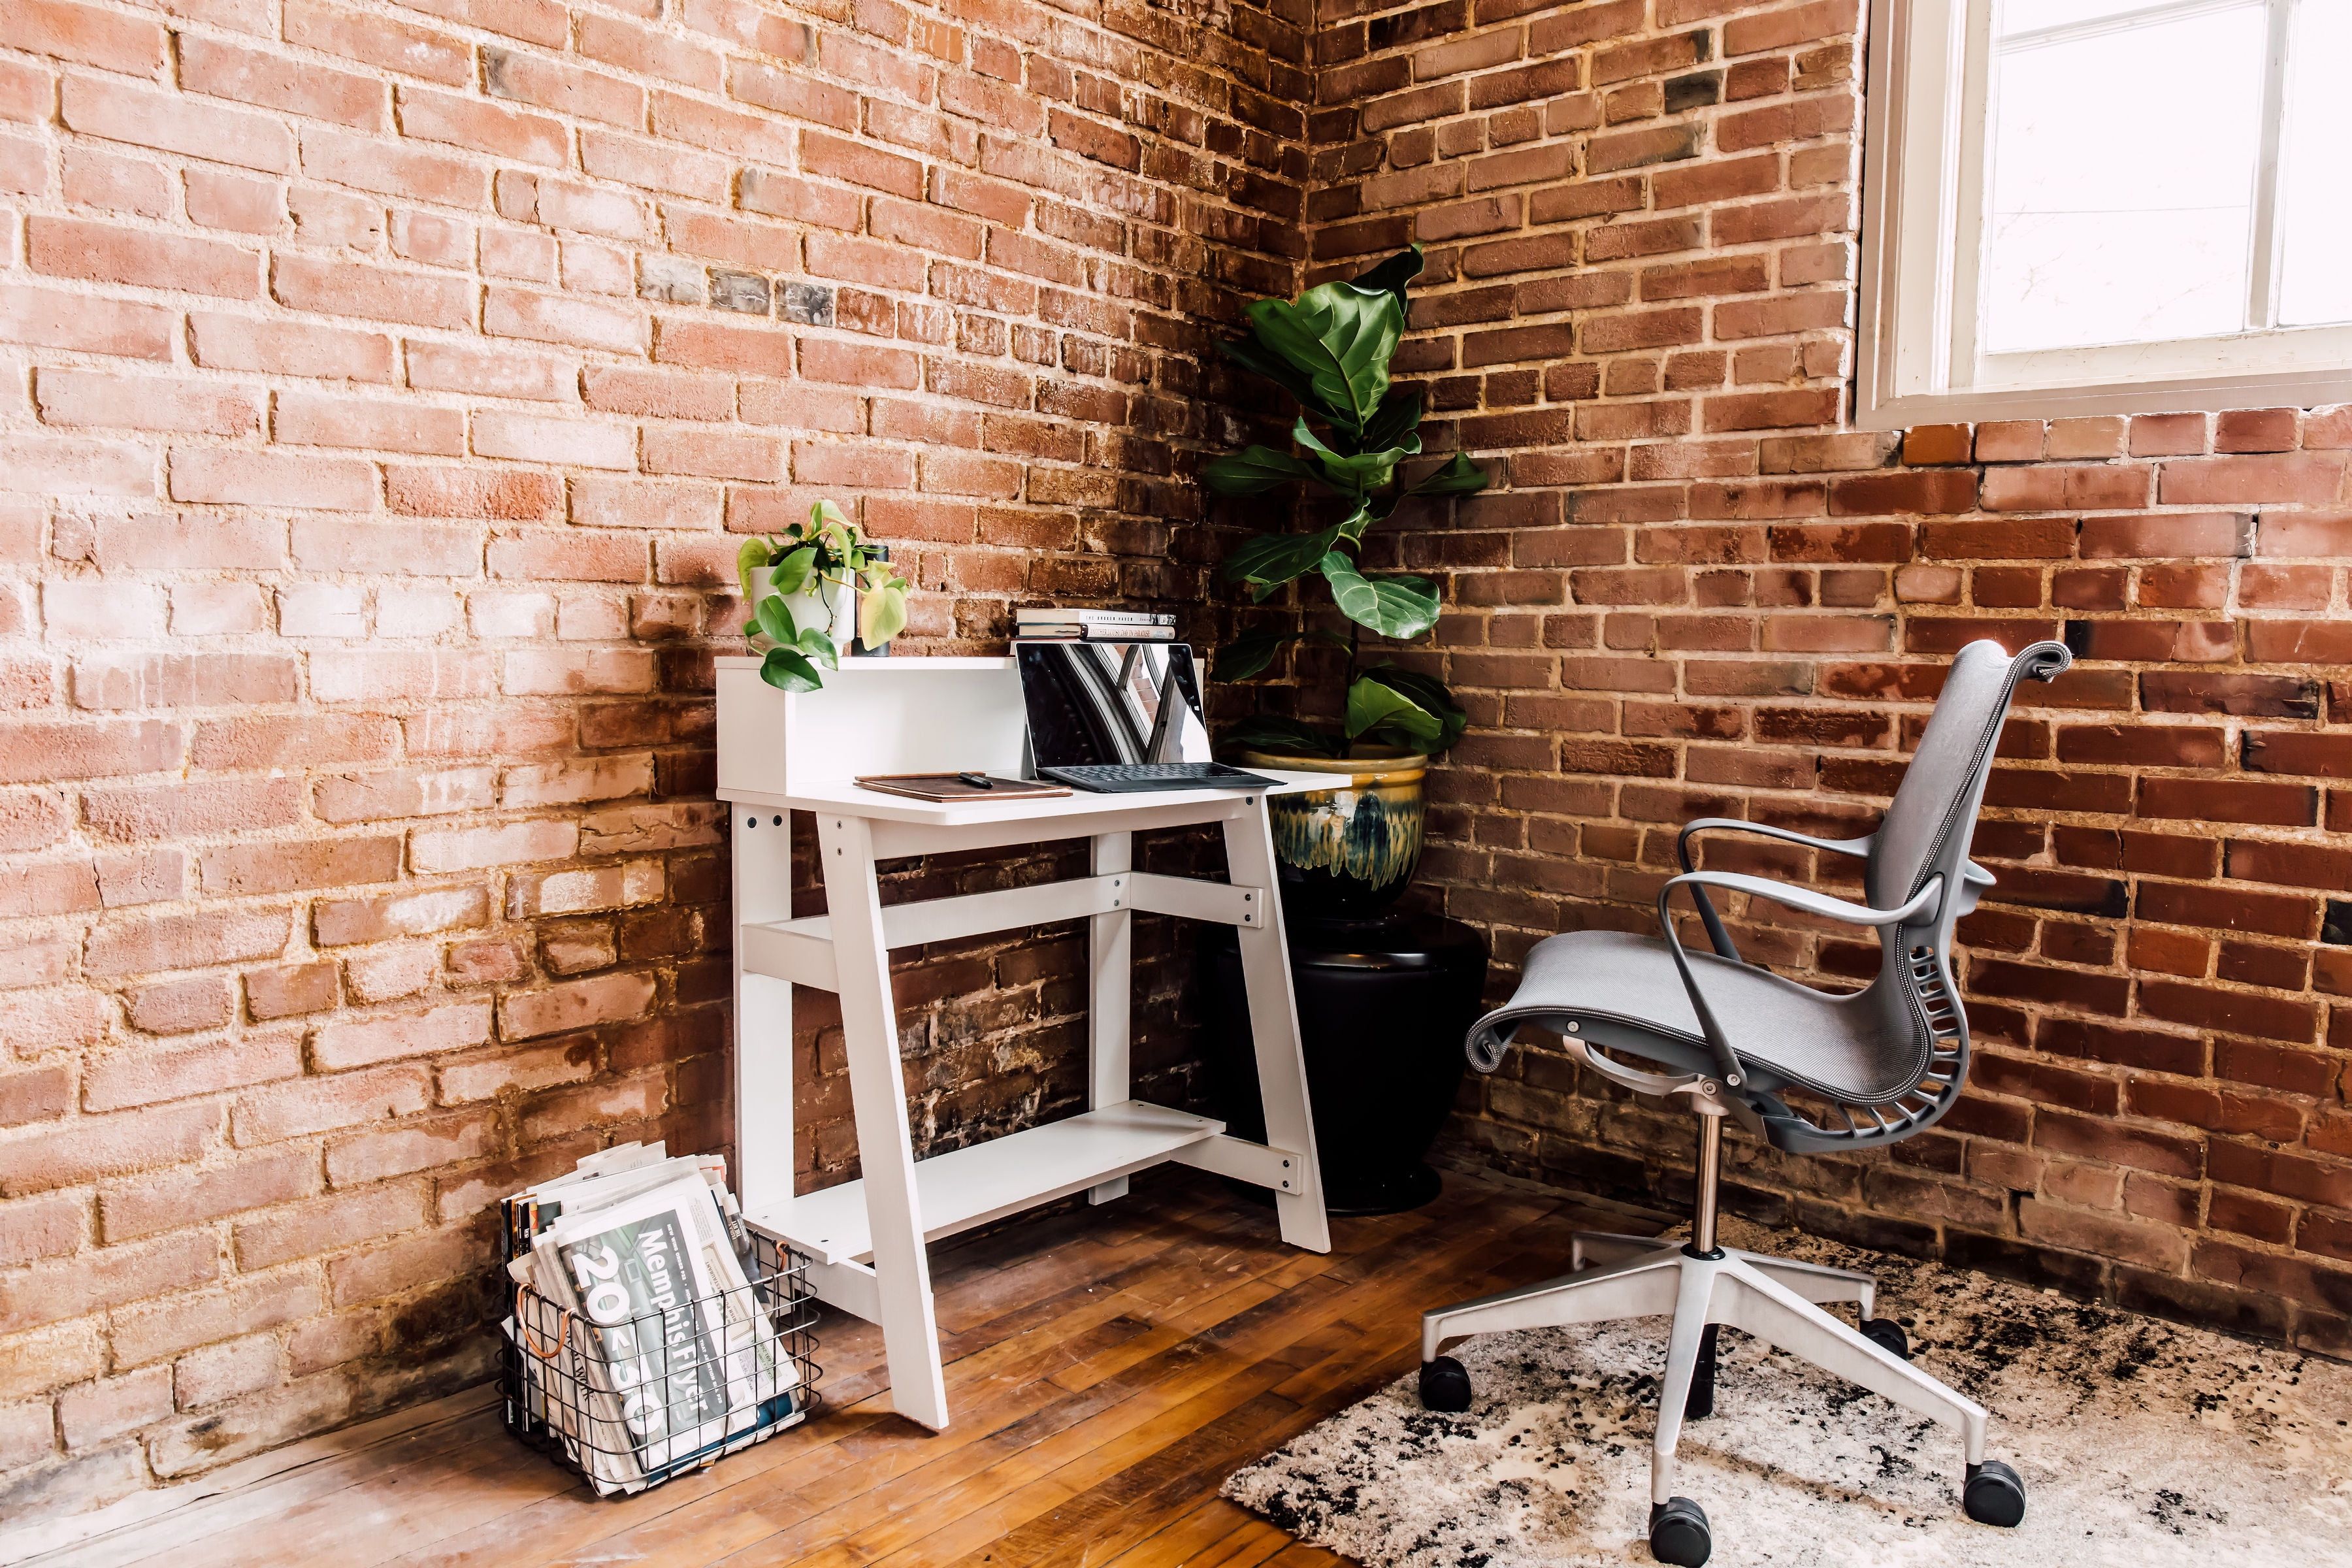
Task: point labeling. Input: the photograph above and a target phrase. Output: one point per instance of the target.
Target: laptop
(1120, 718)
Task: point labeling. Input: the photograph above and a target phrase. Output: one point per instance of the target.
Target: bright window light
(2316, 180)
(2081, 206)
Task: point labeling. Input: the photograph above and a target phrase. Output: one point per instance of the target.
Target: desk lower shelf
(966, 1187)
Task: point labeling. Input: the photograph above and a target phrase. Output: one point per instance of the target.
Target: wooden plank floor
(1106, 1368)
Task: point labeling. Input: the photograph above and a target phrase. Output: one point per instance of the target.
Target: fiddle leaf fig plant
(828, 552)
(1331, 350)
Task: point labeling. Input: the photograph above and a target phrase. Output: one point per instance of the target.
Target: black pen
(977, 781)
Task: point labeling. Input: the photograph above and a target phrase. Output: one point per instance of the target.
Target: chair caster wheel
(1444, 1385)
(1994, 1495)
(1679, 1532)
(1887, 1335)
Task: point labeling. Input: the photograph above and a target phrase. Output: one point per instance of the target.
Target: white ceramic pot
(829, 605)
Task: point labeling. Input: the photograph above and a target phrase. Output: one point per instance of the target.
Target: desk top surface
(847, 798)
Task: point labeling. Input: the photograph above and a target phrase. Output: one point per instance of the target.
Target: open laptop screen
(1111, 702)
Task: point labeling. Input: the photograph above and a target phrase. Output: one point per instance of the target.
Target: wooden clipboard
(951, 787)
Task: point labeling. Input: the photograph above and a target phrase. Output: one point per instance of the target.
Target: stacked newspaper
(644, 1342)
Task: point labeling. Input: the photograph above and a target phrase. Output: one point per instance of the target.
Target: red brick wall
(384, 383)
(382, 389)
(1694, 592)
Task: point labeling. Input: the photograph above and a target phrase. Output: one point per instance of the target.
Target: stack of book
(646, 1323)
(1052, 623)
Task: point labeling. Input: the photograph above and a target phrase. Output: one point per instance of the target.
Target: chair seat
(1839, 1045)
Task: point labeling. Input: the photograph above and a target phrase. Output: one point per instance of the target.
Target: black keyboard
(1122, 778)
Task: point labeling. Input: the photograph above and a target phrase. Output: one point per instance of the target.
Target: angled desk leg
(1273, 1029)
(762, 847)
(1110, 990)
(878, 1091)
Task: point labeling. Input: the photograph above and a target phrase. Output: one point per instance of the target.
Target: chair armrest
(1718, 937)
(1859, 848)
(1812, 902)
(1728, 1058)
(1974, 881)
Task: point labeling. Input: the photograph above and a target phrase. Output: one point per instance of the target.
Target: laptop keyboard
(1147, 772)
(1119, 777)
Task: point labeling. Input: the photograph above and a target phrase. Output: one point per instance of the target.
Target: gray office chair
(1808, 1071)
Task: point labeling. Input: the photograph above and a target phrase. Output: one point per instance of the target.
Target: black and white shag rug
(2142, 1445)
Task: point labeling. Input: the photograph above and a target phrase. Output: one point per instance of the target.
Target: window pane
(2315, 193)
(2123, 183)
(2036, 15)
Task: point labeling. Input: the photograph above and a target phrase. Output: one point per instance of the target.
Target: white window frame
(1924, 150)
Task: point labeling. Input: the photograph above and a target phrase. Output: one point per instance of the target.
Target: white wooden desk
(781, 752)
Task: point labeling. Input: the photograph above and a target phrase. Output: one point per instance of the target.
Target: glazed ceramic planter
(1347, 852)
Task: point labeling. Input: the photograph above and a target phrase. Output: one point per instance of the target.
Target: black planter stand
(1382, 1006)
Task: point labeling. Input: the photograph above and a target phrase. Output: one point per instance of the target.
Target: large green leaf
(1459, 477)
(1375, 705)
(1352, 472)
(1397, 606)
(1268, 733)
(1342, 338)
(1253, 356)
(1392, 275)
(1398, 423)
(1270, 560)
(1248, 655)
(1247, 658)
(1254, 470)
(789, 671)
(1427, 693)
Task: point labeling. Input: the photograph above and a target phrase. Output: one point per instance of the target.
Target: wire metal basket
(632, 1404)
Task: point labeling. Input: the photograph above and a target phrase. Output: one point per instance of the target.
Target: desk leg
(1110, 990)
(762, 842)
(877, 1092)
(1273, 1029)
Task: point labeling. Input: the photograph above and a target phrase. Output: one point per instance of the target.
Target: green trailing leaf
(1459, 477)
(1375, 706)
(1254, 469)
(1392, 275)
(1268, 733)
(882, 611)
(1270, 560)
(1354, 473)
(1342, 338)
(754, 554)
(774, 621)
(817, 648)
(794, 569)
(1428, 693)
(1395, 606)
(789, 671)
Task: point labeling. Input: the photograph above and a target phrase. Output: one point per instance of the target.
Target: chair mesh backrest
(1945, 783)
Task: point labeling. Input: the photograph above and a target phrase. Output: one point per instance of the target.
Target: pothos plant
(1330, 350)
(804, 559)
